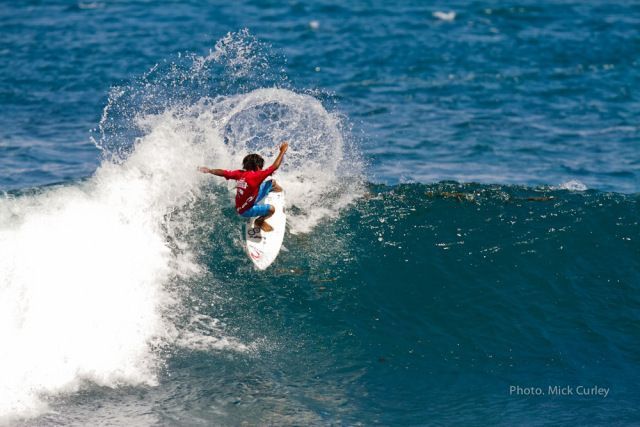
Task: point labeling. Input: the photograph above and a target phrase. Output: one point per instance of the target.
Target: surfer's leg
(265, 188)
(261, 220)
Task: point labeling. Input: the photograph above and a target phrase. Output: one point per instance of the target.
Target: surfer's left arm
(217, 172)
(226, 174)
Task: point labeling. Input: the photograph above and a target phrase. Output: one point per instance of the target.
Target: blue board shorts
(256, 209)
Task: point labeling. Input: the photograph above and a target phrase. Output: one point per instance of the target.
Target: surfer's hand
(284, 147)
(203, 169)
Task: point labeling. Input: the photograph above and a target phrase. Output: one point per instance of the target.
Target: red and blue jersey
(248, 185)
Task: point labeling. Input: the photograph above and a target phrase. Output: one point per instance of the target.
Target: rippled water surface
(502, 92)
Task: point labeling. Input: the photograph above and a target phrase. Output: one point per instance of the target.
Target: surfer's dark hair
(252, 162)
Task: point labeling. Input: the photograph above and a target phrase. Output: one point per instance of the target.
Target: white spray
(86, 269)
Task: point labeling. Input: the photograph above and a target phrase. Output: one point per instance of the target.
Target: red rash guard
(248, 186)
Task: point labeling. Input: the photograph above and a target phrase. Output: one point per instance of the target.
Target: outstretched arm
(217, 172)
(283, 149)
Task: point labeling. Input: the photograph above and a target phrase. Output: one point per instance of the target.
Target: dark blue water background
(508, 92)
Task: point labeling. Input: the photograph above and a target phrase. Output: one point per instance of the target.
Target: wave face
(414, 304)
(423, 304)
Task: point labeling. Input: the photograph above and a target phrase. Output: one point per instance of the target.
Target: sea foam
(82, 276)
(86, 269)
(92, 273)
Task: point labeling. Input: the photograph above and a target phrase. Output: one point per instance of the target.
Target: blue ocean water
(462, 192)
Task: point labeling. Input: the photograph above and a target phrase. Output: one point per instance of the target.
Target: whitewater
(90, 272)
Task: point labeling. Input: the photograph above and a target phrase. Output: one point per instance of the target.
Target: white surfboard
(263, 247)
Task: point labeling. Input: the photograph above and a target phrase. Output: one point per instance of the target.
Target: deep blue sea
(462, 184)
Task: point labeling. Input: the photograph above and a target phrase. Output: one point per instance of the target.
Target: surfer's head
(252, 162)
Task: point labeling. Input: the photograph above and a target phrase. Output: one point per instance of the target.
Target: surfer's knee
(275, 187)
(272, 209)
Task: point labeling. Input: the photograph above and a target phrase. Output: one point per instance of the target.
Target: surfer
(251, 186)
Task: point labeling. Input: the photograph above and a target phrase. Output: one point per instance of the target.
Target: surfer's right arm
(217, 172)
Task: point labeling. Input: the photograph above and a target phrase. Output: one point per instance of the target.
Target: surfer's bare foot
(275, 187)
(262, 224)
